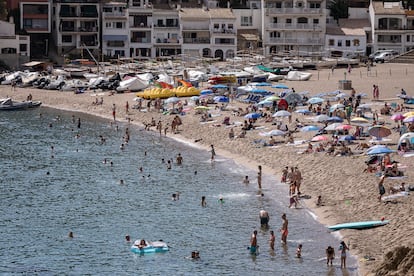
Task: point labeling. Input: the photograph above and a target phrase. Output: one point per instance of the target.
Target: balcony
(141, 40)
(304, 11)
(115, 14)
(298, 26)
(89, 14)
(68, 14)
(296, 41)
(224, 31)
(88, 29)
(195, 28)
(88, 43)
(67, 29)
(200, 40)
(166, 41)
(162, 26)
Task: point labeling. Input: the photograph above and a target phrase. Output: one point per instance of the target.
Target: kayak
(359, 225)
(151, 247)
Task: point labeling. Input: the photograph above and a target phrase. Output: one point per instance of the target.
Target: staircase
(407, 57)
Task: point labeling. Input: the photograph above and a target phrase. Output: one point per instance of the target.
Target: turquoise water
(43, 198)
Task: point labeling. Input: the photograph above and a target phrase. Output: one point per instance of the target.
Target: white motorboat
(132, 84)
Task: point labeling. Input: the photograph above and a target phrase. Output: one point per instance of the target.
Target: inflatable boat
(150, 247)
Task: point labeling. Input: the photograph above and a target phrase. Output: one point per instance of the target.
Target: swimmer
(221, 200)
(203, 201)
(104, 161)
(213, 152)
(299, 251)
(195, 172)
(174, 197)
(284, 229)
(121, 182)
(195, 255)
(179, 159)
(253, 242)
(246, 180)
(168, 165)
(70, 234)
(141, 169)
(272, 240)
(127, 238)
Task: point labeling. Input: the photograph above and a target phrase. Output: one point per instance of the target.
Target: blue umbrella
(219, 86)
(253, 116)
(335, 119)
(259, 91)
(280, 86)
(347, 138)
(261, 84)
(310, 128)
(315, 100)
(303, 111)
(206, 92)
(380, 150)
(221, 99)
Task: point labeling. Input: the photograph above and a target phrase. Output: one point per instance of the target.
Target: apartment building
(294, 26)
(392, 26)
(76, 25)
(140, 24)
(115, 29)
(14, 49)
(35, 19)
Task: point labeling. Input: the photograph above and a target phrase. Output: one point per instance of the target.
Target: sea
(58, 177)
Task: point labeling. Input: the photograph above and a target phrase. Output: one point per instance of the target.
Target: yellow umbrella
(409, 114)
(359, 120)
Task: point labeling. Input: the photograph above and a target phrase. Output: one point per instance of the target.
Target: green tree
(338, 8)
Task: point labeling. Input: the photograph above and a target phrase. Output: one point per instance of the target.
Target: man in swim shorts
(253, 242)
(264, 218)
(284, 229)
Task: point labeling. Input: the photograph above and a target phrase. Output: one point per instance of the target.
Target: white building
(294, 26)
(15, 49)
(392, 26)
(348, 38)
(115, 31)
(140, 22)
(76, 25)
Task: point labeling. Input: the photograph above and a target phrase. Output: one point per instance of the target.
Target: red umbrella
(319, 138)
(344, 127)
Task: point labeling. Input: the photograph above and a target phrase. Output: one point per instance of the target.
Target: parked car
(376, 53)
(385, 56)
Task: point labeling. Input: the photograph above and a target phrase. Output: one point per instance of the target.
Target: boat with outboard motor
(9, 104)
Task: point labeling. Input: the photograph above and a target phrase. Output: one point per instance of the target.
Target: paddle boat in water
(145, 247)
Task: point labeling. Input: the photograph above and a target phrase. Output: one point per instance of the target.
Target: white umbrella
(333, 126)
(172, 100)
(282, 113)
(321, 118)
(275, 132)
(336, 106)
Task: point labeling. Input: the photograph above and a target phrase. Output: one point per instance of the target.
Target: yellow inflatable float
(163, 93)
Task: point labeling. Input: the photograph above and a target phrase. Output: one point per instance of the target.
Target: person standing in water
(203, 201)
(114, 112)
(272, 240)
(253, 242)
(213, 152)
(343, 248)
(259, 177)
(284, 229)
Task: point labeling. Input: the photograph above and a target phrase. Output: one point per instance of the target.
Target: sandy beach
(348, 193)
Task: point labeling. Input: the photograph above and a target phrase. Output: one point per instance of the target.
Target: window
(302, 20)
(356, 42)
(288, 21)
(348, 43)
(118, 25)
(108, 24)
(315, 5)
(275, 20)
(339, 43)
(331, 42)
(8, 50)
(279, 5)
(23, 47)
(315, 21)
(274, 34)
(66, 39)
(246, 21)
(217, 26)
(230, 26)
(299, 4)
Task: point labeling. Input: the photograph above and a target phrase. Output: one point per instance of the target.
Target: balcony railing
(88, 29)
(200, 40)
(89, 14)
(166, 26)
(293, 11)
(68, 14)
(298, 26)
(167, 41)
(141, 40)
(296, 41)
(224, 31)
(114, 14)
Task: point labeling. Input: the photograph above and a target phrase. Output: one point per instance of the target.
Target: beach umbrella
(315, 100)
(380, 150)
(282, 113)
(336, 106)
(265, 103)
(359, 120)
(333, 93)
(346, 138)
(344, 127)
(275, 132)
(272, 98)
(258, 91)
(201, 107)
(379, 131)
(172, 100)
(280, 86)
(293, 98)
(310, 128)
(303, 111)
(319, 138)
(365, 106)
(333, 126)
(261, 84)
(321, 118)
(341, 96)
(397, 117)
(252, 116)
(220, 86)
(409, 114)
(221, 99)
(335, 119)
(195, 98)
(409, 120)
(206, 92)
